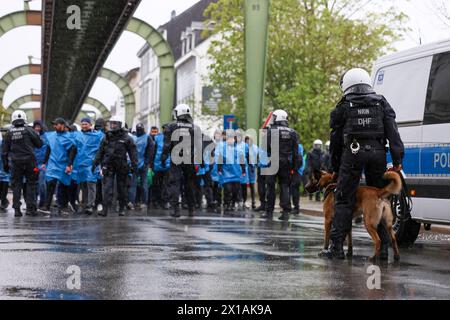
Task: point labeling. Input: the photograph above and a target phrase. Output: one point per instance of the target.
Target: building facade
(190, 48)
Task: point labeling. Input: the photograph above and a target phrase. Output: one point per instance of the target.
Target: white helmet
(18, 115)
(118, 120)
(318, 142)
(279, 116)
(182, 110)
(354, 77)
(327, 144)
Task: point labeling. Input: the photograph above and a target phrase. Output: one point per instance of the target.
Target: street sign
(230, 122)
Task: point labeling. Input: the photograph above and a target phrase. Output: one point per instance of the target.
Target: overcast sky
(423, 21)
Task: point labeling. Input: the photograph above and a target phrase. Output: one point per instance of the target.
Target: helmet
(318, 144)
(182, 111)
(327, 144)
(118, 120)
(279, 116)
(18, 115)
(140, 129)
(355, 77)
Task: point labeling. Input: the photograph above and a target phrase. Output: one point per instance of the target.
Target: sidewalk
(313, 208)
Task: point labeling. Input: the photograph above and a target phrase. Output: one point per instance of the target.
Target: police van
(416, 83)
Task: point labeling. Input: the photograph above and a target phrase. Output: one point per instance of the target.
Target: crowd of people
(102, 166)
(105, 166)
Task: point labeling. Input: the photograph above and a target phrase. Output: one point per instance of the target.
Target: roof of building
(177, 25)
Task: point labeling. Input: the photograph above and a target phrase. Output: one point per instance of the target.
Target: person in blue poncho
(145, 153)
(296, 182)
(160, 197)
(231, 168)
(40, 158)
(216, 185)
(4, 183)
(243, 148)
(87, 142)
(252, 156)
(60, 156)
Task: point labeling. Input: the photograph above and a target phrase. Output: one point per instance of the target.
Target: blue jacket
(300, 153)
(59, 144)
(253, 156)
(229, 158)
(40, 152)
(159, 166)
(87, 144)
(4, 177)
(143, 150)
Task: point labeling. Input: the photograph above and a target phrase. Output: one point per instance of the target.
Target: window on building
(437, 107)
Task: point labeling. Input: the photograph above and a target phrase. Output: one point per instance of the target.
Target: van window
(437, 107)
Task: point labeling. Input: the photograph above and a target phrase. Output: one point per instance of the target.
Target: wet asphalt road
(206, 257)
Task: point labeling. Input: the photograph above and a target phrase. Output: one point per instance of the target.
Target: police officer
(326, 163)
(289, 162)
(18, 146)
(186, 138)
(361, 125)
(314, 161)
(112, 156)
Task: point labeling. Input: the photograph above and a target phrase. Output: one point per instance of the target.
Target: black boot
(121, 212)
(104, 211)
(17, 213)
(284, 216)
(336, 251)
(176, 213)
(261, 208)
(296, 211)
(267, 215)
(191, 212)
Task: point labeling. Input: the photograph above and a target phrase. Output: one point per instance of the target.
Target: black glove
(6, 167)
(133, 170)
(94, 168)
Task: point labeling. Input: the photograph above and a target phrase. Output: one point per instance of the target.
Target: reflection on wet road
(206, 257)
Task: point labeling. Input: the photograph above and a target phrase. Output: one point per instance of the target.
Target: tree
(311, 44)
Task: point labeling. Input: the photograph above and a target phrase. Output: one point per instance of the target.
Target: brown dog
(371, 202)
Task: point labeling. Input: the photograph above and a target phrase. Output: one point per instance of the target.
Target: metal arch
(154, 39)
(20, 19)
(166, 64)
(127, 92)
(14, 74)
(29, 69)
(16, 104)
(106, 114)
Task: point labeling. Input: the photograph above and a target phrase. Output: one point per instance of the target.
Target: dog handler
(360, 125)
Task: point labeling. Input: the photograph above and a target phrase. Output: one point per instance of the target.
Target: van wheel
(407, 232)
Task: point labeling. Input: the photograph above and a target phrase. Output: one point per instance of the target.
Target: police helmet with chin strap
(182, 112)
(279, 116)
(356, 80)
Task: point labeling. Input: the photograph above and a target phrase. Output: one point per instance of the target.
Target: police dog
(372, 203)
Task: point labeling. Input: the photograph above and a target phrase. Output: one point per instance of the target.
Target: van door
(435, 153)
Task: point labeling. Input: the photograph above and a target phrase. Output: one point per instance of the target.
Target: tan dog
(371, 202)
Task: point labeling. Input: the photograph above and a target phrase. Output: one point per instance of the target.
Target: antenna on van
(420, 37)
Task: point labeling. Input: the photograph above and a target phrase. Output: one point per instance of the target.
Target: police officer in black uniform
(361, 125)
(185, 139)
(289, 162)
(18, 146)
(112, 156)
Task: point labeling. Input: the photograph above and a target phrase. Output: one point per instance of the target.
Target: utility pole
(256, 43)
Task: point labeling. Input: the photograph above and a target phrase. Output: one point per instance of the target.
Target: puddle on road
(34, 293)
